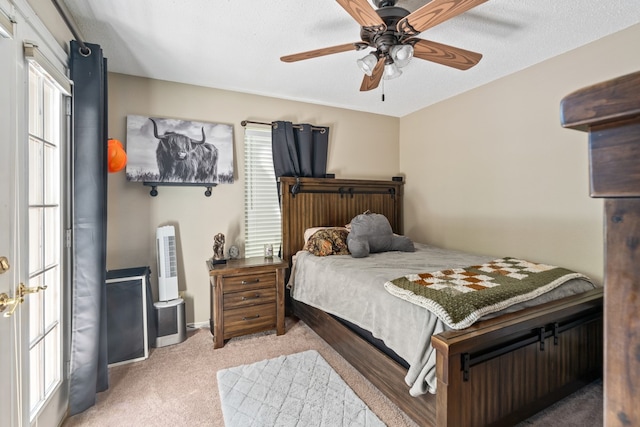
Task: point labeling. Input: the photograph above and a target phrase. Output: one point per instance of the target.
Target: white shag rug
(296, 390)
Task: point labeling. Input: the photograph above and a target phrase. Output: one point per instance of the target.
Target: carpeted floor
(583, 408)
(177, 385)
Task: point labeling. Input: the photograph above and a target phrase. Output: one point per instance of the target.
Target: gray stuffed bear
(372, 233)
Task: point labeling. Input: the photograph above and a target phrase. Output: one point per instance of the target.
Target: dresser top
(247, 263)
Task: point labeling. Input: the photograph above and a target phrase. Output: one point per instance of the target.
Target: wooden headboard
(316, 202)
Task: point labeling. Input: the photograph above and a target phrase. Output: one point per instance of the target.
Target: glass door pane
(45, 239)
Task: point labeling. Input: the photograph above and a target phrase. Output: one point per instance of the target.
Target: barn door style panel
(512, 372)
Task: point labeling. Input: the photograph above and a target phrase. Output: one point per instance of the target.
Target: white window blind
(261, 205)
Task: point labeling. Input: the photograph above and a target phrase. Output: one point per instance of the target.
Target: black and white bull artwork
(184, 159)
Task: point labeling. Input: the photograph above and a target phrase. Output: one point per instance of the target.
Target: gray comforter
(353, 289)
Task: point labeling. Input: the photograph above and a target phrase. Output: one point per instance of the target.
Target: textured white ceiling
(236, 45)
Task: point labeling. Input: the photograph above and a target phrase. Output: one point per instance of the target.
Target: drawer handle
(250, 282)
(251, 317)
(256, 296)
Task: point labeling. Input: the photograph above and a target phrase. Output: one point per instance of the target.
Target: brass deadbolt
(4, 264)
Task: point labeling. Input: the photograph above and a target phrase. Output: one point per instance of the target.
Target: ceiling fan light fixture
(367, 63)
(391, 71)
(402, 54)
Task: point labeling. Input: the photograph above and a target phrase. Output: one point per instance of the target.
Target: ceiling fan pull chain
(382, 90)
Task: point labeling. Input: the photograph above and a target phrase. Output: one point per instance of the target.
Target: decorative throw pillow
(372, 233)
(328, 241)
(311, 231)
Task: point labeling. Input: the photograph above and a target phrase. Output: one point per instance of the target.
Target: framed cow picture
(180, 151)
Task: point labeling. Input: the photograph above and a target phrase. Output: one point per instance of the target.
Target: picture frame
(166, 150)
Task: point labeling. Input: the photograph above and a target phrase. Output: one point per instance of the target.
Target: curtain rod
(84, 49)
(245, 122)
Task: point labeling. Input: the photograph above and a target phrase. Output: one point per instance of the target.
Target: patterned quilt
(460, 296)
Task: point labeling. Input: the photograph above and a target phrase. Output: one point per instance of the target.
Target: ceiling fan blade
(445, 55)
(372, 81)
(363, 13)
(319, 52)
(434, 13)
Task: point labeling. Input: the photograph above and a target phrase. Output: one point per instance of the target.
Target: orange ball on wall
(116, 156)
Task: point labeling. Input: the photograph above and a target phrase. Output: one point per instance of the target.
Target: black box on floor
(131, 326)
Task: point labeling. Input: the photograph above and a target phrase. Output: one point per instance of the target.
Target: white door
(32, 142)
(9, 328)
(9, 332)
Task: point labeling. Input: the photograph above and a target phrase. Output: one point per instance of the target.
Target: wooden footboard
(513, 366)
(497, 372)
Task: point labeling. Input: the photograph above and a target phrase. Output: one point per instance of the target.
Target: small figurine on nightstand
(218, 247)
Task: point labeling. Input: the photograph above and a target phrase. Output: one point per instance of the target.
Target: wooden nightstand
(247, 296)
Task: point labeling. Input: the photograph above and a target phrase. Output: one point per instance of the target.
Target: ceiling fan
(390, 31)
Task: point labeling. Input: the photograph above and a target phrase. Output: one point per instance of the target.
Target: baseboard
(198, 325)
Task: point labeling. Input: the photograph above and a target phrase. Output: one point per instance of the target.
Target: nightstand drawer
(249, 281)
(249, 298)
(248, 320)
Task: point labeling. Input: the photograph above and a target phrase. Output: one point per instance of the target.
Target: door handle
(13, 303)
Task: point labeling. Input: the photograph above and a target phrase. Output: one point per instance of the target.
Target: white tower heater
(167, 263)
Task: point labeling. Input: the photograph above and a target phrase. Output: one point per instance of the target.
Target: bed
(495, 372)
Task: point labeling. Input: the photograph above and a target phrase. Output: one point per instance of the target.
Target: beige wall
(492, 171)
(361, 145)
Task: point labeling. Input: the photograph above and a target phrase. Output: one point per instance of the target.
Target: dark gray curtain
(299, 150)
(89, 373)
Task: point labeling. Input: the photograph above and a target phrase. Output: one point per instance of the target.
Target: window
(45, 230)
(261, 205)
